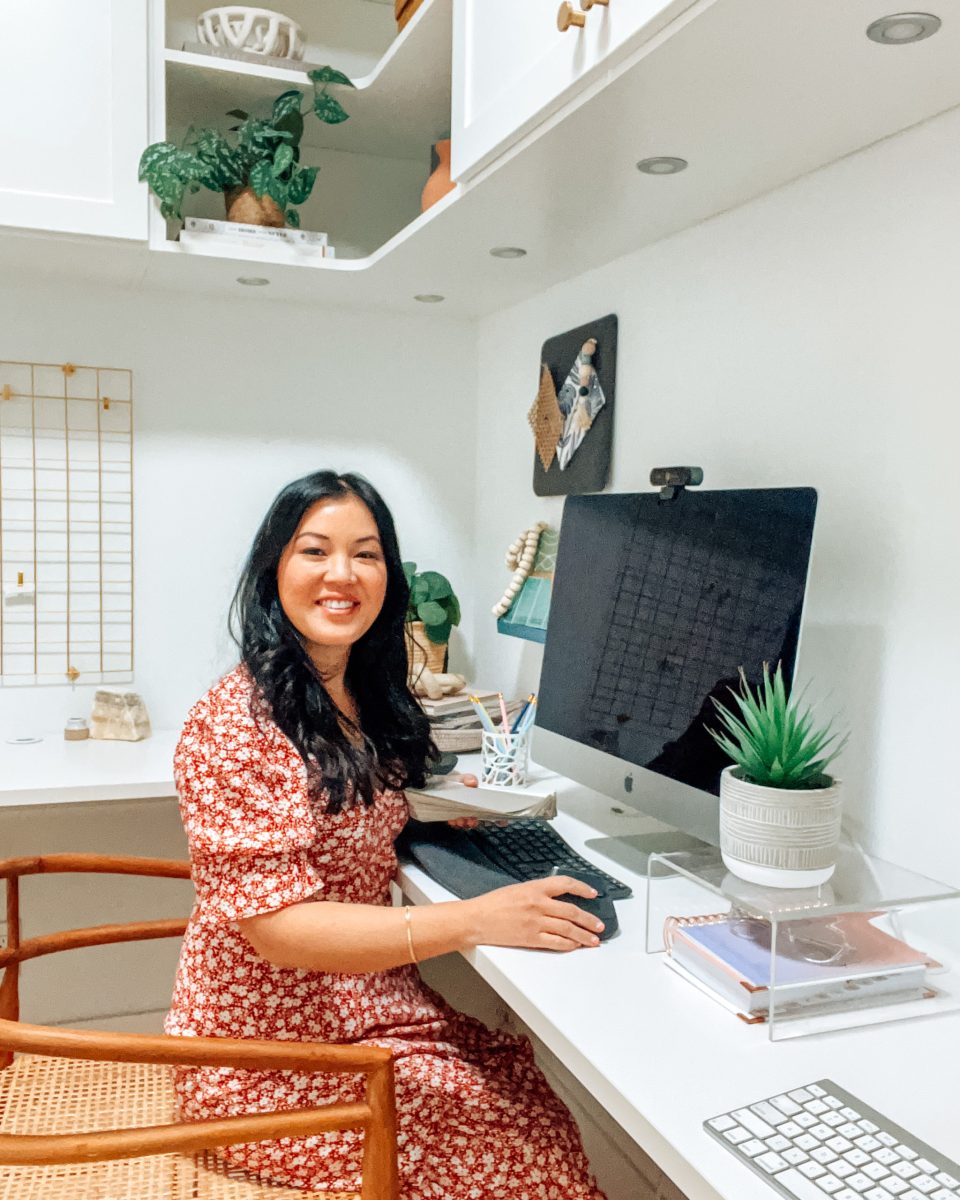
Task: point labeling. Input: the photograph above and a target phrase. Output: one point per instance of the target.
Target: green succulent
(431, 601)
(773, 740)
(264, 155)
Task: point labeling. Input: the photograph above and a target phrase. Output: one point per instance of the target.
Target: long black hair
(395, 731)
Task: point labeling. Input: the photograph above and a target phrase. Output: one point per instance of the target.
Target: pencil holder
(505, 759)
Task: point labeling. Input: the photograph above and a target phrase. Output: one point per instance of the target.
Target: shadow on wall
(844, 665)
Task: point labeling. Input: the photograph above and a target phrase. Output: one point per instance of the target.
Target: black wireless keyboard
(528, 849)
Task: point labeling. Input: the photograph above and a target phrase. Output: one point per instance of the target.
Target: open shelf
(397, 110)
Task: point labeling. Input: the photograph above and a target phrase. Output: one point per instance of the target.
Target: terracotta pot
(244, 206)
(439, 182)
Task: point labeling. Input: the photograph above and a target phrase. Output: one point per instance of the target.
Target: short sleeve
(247, 818)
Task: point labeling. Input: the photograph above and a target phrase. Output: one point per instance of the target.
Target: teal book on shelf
(527, 616)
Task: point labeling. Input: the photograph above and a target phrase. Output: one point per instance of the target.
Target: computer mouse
(601, 906)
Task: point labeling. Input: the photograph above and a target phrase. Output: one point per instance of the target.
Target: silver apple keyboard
(819, 1141)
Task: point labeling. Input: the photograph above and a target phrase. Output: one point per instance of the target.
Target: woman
(290, 774)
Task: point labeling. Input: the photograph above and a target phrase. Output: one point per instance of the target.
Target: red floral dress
(477, 1119)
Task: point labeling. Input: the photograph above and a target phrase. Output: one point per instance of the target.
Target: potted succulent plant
(432, 611)
(779, 809)
(258, 171)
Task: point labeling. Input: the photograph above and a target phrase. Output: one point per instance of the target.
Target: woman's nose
(340, 567)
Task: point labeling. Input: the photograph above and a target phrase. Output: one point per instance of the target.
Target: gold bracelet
(407, 917)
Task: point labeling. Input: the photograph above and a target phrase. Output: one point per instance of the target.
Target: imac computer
(657, 603)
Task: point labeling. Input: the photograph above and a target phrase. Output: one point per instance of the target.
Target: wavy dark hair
(395, 731)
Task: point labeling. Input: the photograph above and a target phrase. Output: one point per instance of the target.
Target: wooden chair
(90, 1115)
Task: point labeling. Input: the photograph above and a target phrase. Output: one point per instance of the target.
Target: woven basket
(422, 652)
(457, 741)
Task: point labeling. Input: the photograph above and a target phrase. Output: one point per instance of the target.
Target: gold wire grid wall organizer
(66, 524)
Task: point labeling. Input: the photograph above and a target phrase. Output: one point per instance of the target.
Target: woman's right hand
(530, 915)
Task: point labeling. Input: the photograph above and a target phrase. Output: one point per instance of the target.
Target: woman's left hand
(470, 781)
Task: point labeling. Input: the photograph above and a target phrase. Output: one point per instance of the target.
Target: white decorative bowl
(255, 30)
(779, 837)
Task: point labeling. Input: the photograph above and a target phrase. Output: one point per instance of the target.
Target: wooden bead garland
(520, 559)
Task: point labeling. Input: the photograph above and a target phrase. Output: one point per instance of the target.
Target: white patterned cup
(505, 759)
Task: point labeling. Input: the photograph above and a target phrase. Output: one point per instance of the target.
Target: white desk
(55, 771)
(660, 1057)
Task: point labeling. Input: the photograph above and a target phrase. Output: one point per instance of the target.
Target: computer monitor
(657, 604)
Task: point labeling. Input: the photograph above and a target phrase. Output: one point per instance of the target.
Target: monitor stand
(633, 850)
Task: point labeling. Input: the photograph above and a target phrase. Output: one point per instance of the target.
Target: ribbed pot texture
(244, 205)
(421, 650)
(780, 828)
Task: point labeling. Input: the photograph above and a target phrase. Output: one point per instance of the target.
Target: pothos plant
(431, 601)
(264, 154)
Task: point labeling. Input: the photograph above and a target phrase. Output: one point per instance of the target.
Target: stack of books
(294, 245)
(822, 963)
(454, 721)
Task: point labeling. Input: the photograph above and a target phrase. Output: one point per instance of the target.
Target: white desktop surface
(661, 1057)
(55, 771)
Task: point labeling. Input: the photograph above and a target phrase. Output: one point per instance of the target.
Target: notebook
(820, 960)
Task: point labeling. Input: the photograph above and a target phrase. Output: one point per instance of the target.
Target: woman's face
(332, 577)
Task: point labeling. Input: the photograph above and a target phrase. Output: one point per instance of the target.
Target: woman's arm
(349, 938)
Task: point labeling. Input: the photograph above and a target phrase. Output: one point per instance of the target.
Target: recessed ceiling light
(901, 28)
(662, 165)
(508, 252)
(252, 280)
(429, 298)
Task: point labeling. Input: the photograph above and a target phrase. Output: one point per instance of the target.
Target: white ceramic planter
(778, 837)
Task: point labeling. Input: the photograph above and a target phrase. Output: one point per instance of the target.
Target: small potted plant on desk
(779, 809)
(432, 611)
(260, 173)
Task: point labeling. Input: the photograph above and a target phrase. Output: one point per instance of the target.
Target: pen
(484, 716)
(522, 713)
(528, 716)
(503, 714)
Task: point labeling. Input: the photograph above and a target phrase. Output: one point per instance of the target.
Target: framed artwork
(572, 415)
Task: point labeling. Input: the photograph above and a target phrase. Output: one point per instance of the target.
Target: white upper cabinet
(513, 65)
(73, 93)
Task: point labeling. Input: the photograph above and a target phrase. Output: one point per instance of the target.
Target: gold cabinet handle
(586, 5)
(567, 17)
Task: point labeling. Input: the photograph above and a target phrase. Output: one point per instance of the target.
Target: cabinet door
(73, 91)
(513, 67)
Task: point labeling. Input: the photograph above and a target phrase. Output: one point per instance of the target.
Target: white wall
(809, 337)
(232, 400)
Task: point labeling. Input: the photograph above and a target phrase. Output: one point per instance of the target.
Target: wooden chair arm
(107, 864)
(242, 1053)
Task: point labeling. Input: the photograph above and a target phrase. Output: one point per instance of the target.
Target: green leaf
(438, 634)
(329, 110)
(221, 164)
(285, 104)
(238, 113)
(301, 185)
(293, 218)
(430, 613)
(328, 75)
(261, 177)
(157, 155)
(291, 124)
(453, 609)
(438, 586)
(281, 160)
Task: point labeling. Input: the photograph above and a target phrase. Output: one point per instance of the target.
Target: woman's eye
(315, 551)
(369, 554)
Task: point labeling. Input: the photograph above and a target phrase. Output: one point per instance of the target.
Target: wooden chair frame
(376, 1116)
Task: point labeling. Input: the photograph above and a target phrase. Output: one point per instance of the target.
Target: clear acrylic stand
(837, 928)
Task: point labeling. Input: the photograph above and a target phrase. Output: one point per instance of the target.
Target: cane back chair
(86, 1115)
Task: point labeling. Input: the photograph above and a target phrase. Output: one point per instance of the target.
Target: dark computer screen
(657, 604)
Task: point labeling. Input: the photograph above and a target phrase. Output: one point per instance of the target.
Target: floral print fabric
(477, 1120)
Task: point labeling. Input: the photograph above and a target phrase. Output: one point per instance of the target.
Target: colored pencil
(522, 713)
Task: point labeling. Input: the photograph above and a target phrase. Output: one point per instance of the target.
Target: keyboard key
(913, 1194)
(905, 1151)
(816, 1107)
(887, 1138)
(770, 1162)
(877, 1193)
(796, 1185)
(946, 1180)
(790, 1129)
(806, 1142)
(752, 1148)
(816, 1089)
(751, 1121)
(821, 1132)
(851, 1114)
(842, 1169)
(722, 1123)
(833, 1119)
(795, 1157)
(905, 1170)
(924, 1184)
(839, 1144)
(823, 1155)
(859, 1182)
(813, 1170)
(766, 1112)
(895, 1186)
(800, 1095)
(886, 1156)
(832, 1102)
(857, 1157)
(846, 1194)
(850, 1130)
(926, 1166)
(736, 1135)
(804, 1120)
(829, 1184)
(875, 1170)
(788, 1107)
(943, 1194)
(778, 1143)
(868, 1126)
(867, 1142)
